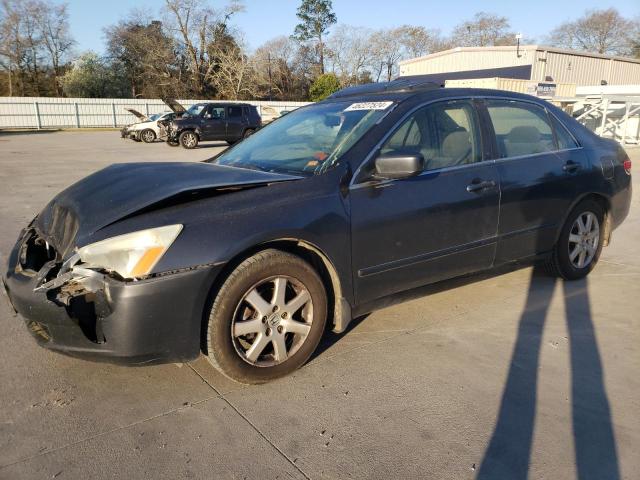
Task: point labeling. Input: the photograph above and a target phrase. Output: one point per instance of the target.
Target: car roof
(401, 90)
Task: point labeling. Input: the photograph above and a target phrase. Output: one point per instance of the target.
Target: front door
(538, 169)
(439, 224)
(214, 125)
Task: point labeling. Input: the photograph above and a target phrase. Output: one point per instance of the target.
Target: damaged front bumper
(86, 313)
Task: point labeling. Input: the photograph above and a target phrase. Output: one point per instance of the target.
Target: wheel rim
(272, 321)
(148, 136)
(190, 140)
(583, 240)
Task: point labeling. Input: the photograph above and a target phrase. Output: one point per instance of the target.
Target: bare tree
(349, 50)
(197, 27)
(281, 70)
(485, 29)
(600, 31)
(418, 41)
(53, 22)
(234, 76)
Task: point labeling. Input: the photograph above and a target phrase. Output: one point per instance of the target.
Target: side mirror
(395, 165)
(208, 116)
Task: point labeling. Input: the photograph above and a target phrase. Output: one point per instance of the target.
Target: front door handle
(477, 187)
(571, 167)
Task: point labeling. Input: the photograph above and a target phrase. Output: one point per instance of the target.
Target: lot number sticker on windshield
(368, 106)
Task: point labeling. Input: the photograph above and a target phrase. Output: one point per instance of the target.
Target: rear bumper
(157, 320)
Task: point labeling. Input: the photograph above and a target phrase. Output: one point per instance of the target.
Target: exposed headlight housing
(131, 255)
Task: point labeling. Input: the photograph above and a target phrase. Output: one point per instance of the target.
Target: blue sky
(265, 19)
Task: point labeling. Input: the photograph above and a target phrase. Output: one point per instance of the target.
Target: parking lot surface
(512, 376)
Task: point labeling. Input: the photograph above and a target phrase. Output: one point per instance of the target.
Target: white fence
(45, 112)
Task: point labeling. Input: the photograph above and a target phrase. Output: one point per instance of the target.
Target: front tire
(148, 136)
(267, 318)
(580, 243)
(188, 139)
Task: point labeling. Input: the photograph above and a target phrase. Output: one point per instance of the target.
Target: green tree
(91, 77)
(324, 85)
(316, 16)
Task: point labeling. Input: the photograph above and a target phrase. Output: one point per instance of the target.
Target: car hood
(123, 190)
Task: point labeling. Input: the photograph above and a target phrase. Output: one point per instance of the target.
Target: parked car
(230, 122)
(316, 219)
(148, 129)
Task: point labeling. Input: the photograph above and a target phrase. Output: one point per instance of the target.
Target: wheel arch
(339, 308)
(604, 202)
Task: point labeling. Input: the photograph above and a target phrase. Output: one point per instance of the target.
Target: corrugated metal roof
(523, 48)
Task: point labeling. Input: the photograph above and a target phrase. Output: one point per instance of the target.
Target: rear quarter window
(564, 138)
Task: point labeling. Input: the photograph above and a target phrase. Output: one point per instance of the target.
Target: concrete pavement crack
(252, 425)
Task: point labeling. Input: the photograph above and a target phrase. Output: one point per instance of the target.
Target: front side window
(520, 128)
(446, 134)
(195, 110)
(308, 140)
(217, 113)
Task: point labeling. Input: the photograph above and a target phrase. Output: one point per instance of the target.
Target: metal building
(527, 62)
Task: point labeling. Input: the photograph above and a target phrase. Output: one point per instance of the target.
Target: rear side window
(235, 112)
(446, 134)
(521, 128)
(565, 139)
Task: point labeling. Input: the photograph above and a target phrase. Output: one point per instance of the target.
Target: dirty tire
(188, 139)
(248, 132)
(173, 144)
(560, 264)
(148, 135)
(222, 346)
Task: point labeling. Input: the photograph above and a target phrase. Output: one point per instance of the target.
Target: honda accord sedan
(312, 221)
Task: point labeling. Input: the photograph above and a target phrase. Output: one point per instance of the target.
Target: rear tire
(267, 318)
(578, 248)
(248, 132)
(148, 136)
(188, 139)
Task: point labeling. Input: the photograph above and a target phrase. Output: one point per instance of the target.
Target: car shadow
(213, 145)
(331, 338)
(508, 454)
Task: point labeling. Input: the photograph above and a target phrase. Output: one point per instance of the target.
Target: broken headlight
(131, 255)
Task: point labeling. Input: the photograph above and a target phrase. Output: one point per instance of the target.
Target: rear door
(538, 176)
(436, 225)
(213, 124)
(235, 121)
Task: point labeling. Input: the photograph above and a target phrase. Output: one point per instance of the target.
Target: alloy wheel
(272, 321)
(190, 140)
(148, 136)
(583, 240)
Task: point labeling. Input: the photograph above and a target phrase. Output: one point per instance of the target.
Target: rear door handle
(571, 167)
(477, 187)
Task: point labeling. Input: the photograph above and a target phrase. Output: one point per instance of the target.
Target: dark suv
(230, 122)
(318, 218)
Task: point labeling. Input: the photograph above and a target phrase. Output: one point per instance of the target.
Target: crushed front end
(92, 314)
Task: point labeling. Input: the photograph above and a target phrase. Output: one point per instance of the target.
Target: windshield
(155, 116)
(308, 140)
(195, 110)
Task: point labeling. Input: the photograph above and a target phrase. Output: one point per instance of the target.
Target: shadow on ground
(509, 451)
